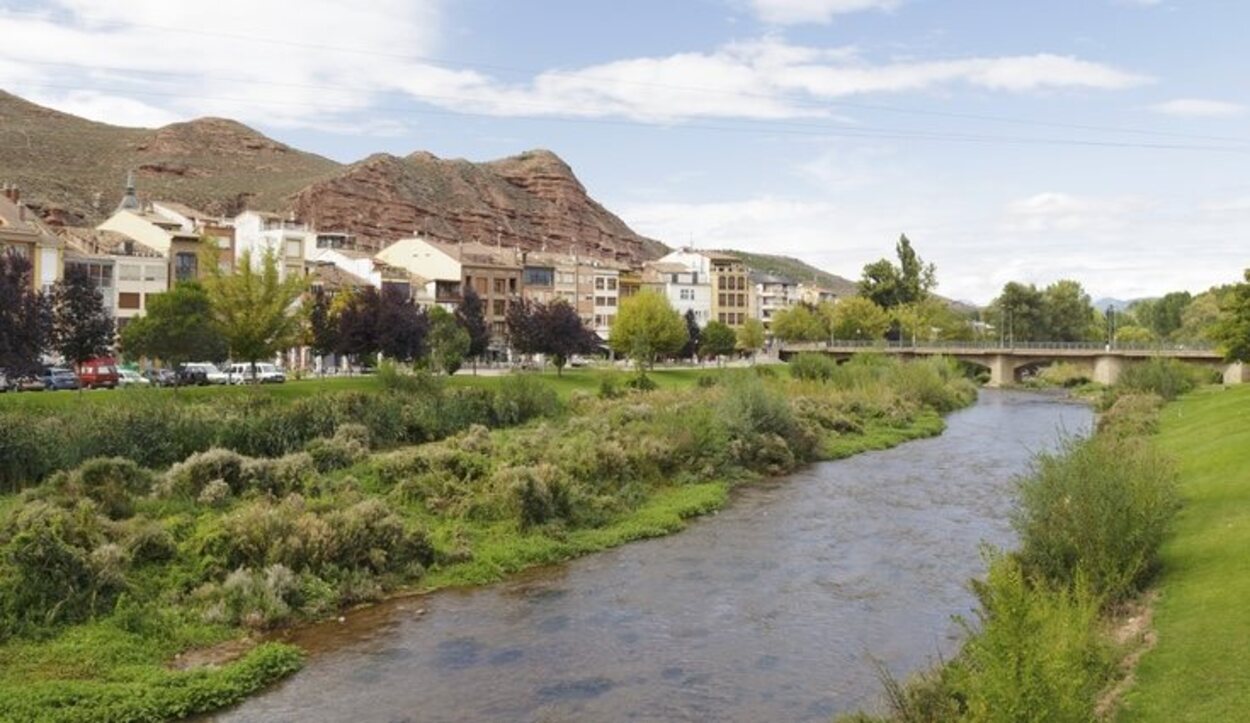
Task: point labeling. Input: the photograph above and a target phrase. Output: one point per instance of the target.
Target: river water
(772, 610)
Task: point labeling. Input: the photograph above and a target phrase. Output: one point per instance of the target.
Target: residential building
(169, 234)
(685, 289)
(261, 232)
(727, 275)
(631, 282)
(538, 277)
(772, 294)
(449, 268)
(605, 277)
(814, 294)
(204, 226)
(23, 234)
(375, 272)
(127, 273)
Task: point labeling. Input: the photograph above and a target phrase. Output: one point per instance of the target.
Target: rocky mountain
(72, 170)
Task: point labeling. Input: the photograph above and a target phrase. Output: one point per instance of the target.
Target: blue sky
(1101, 140)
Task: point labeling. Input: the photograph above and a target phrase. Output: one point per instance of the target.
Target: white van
(241, 373)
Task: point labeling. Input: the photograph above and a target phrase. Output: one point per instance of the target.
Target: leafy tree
(1133, 334)
(471, 315)
(1200, 317)
(751, 337)
(323, 323)
(255, 310)
(858, 318)
(1163, 316)
(25, 317)
(81, 327)
(1066, 314)
(554, 329)
(449, 342)
(401, 326)
(800, 323)
(1019, 312)
(358, 323)
(888, 285)
(177, 328)
(1232, 331)
(717, 340)
(646, 328)
(693, 332)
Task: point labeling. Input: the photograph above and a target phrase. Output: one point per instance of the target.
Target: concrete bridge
(1007, 364)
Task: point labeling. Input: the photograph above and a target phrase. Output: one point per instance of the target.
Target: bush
(1037, 655)
(522, 397)
(1131, 415)
(641, 383)
(1097, 509)
(608, 388)
(813, 367)
(255, 599)
(113, 483)
(541, 493)
(419, 381)
(1167, 378)
(190, 476)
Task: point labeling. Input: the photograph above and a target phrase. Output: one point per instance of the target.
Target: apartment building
(815, 295)
(261, 232)
(727, 275)
(685, 289)
(22, 234)
(127, 272)
(772, 294)
(446, 269)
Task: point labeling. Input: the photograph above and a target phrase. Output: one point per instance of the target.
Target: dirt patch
(212, 656)
(1133, 634)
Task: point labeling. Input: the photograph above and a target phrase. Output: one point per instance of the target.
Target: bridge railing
(982, 346)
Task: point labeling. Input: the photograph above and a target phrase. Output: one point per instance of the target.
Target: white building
(685, 289)
(773, 294)
(260, 232)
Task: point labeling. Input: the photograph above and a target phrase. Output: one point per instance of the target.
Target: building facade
(261, 232)
(22, 234)
(772, 294)
(685, 290)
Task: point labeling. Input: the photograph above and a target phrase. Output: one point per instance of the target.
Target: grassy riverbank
(114, 576)
(1200, 667)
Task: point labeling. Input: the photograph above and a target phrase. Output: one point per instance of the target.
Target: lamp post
(1110, 327)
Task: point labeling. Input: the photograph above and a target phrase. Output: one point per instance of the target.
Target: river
(772, 610)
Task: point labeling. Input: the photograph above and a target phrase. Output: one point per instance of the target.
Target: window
(686, 294)
(611, 284)
(538, 277)
(720, 300)
(128, 272)
(512, 285)
(611, 301)
(742, 299)
(128, 300)
(499, 308)
(185, 266)
(156, 272)
(720, 318)
(294, 249)
(480, 286)
(500, 287)
(600, 283)
(566, 277)
(721, 282)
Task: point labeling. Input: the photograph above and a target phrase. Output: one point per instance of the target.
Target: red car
(99, 373)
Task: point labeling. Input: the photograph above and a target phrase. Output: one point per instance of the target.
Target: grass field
(1200, 668)
(584, 379)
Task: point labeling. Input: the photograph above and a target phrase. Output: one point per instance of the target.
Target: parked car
(211, 372)
(54, 378)
(131, 378)
(27, 383)
(161, 377)
(190, 376)
(98, 373)
(241, 373)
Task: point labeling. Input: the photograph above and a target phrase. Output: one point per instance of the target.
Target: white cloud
(276, 74)
(1231, 205)
(793, 12)
(1199, 108)
(1052, 211)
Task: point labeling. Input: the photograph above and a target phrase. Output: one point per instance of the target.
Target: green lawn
(585, 379)
(1200, 669)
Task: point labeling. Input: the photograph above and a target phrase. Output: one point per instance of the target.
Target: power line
(790, 98)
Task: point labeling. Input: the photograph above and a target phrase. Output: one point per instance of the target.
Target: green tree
(471, 315)
(81, 327)
(751, 337)
(177, 328)
(255, 310)
(449, 342)
(1232, 331)
(716, 341)
(647, 327)
(859, 319)
(889, 285)
(1066, 313)
(1133, 334)
(25, 316)
(800, 323)
(1163, 316)
(1200, 317)
(1019, 313)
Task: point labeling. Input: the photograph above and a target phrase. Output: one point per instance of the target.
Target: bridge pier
(1002, 370)
(1237, 373)
(1107, 369)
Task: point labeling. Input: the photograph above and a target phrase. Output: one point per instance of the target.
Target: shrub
(1096, 509)
(641, 383)
(1167, 378)
(813, 367)
(191, 475)
(541, 493)
(1131, 415)
(1037, 655)
(369, 535)
(253, 598)
(1064, 374)
(112, 483)
(608, 388)
(332, 454)
(147, 541)
(522, 397)
(417, 382)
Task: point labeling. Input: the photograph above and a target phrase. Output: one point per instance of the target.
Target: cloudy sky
(1101, 140)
